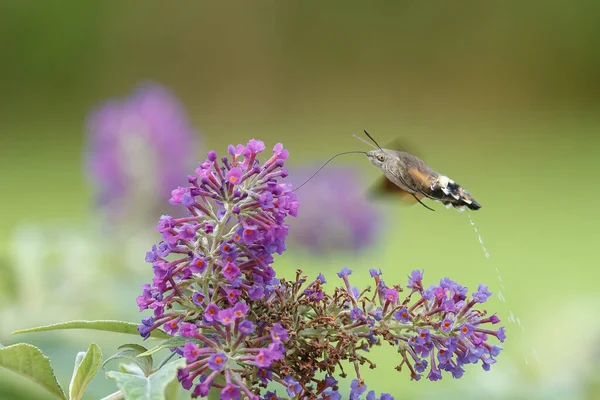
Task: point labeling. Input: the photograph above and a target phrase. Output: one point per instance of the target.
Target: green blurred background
(501, 96)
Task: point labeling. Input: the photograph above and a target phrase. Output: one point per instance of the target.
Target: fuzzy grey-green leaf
(29, 361)
(129, 352)
(129, 328)
(86, 368)
(133, 346)
(147, 388)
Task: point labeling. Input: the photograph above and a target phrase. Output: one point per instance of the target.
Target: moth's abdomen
(451, 193)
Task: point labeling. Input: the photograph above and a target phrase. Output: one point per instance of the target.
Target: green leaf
(135, 347)
(130, 328)
(86, 367)
(174, 341)
(130, 353)
(149, 388)
(30, 362)
(133, 369)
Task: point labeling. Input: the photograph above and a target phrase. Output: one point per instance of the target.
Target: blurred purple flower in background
(336, 213)
(138, 148)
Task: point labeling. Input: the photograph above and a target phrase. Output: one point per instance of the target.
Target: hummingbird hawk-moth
(409, 176)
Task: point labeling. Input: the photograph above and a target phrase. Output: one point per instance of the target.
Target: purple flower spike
(353, 221)
(138, 149)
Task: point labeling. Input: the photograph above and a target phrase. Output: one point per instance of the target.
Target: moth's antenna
(327, 162)
(364, 141)
(373, 140)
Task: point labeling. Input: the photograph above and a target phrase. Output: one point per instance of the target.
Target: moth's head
(379, 158)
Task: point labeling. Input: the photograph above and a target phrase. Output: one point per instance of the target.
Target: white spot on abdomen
(443, 181)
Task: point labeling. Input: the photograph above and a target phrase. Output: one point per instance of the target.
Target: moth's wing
(386, 189)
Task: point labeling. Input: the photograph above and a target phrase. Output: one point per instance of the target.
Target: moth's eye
(380, 157)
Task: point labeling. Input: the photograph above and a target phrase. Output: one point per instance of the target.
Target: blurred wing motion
(386, 189)
(405, 145)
